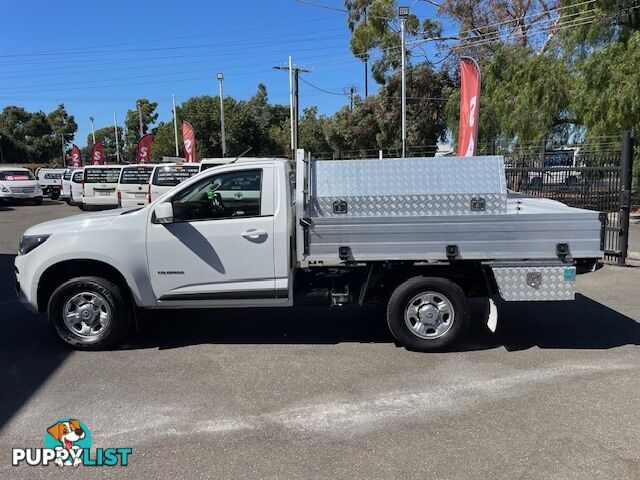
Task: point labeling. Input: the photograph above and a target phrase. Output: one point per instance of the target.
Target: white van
(65, 184)
(100, 184)
(133, 187)
(19, 184)
(49, 180)
(168, 175)
(76, 187)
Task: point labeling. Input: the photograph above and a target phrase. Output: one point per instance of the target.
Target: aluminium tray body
(531, 230)
(433, 186)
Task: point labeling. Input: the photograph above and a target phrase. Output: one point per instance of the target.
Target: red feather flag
(144, 148)
(469, 107)
(189, 141)
(97, 153)
(75, 159)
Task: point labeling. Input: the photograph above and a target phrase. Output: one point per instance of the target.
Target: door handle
(253, 233)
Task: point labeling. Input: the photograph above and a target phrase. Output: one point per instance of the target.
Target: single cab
(277, 233)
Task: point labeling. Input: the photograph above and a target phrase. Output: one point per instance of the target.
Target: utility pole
(140, 117)
(366, 63)
(115, 129)
(1, 151)
(294, 73)
(175, 123)
(220, 77)
(93, 130)
(352, 90)
(64, 159)
(403, 12)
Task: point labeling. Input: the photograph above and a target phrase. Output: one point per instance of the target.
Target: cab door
(219, 248)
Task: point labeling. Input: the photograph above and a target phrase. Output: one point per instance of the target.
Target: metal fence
(591, 179)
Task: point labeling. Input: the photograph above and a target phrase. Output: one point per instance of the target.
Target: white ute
(19, 184)
(419, 235)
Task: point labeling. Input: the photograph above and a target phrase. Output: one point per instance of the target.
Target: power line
(340, 94)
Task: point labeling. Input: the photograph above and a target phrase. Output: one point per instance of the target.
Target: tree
(108, 137)
(132, 123)
(62, 124)
(374, 24)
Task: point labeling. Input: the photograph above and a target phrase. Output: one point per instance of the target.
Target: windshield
(101, 175)
(136, 175)
(16, 175)
(172, 175)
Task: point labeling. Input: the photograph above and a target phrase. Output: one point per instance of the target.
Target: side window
(227, 195)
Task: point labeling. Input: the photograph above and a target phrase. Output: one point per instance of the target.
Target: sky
(99, 57)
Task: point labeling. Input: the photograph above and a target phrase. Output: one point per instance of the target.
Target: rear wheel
(427, 313)
(90, 313)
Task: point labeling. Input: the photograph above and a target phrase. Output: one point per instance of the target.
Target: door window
(226, 195)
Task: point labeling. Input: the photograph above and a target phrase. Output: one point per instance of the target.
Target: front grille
(23, 189)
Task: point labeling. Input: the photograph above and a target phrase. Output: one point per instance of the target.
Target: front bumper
(20, 196)
(25, 292)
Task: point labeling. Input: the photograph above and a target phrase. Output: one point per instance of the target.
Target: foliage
(132, 124)
(35, 137)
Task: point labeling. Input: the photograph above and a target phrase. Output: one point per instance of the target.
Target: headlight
(29, 242)
(4, 189)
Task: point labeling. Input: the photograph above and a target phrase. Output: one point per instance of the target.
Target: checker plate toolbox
(441, 210)
(408, 187)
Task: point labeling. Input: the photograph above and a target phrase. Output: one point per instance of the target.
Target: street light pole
(220, 77)
(93, 130)
(402, 13)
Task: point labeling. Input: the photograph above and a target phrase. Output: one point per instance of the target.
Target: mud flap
(492, 318)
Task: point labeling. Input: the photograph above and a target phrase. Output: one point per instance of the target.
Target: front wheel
(38, 201)
(90, 313)
(427, 313)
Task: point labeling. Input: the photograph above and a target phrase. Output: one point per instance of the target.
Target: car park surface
(311, 393)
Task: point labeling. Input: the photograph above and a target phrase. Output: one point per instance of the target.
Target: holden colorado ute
(419, 235)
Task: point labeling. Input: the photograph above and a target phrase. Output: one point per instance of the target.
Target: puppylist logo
(67, 442)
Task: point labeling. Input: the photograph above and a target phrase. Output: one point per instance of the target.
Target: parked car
(100, 187)
(434, 233)
(76, 187)
(19, 184)
(65, 184)
(167, 175)
(49, 180)
(133, 186)
(557, 169)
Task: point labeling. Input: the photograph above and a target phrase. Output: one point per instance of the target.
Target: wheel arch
(60, 272)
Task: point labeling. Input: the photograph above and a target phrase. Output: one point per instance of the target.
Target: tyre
(55, 195)
(427, 313)
(90, 313)
(38, 201)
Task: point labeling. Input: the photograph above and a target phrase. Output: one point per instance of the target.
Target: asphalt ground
(316, 393)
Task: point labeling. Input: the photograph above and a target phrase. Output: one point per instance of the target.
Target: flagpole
(175, 123)
(115, 129)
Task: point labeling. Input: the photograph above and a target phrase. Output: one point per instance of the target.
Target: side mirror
(164, 213)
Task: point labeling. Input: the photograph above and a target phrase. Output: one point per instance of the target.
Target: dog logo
(71, 435)
(68, 442)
